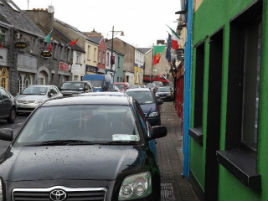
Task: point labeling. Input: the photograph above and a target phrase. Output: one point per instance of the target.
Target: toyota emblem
(58, 195)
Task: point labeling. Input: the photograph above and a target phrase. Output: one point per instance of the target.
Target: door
(214, 116)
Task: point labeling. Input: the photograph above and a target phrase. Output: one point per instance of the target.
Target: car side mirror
(158, 132)
(6, 134)
(49, 94)
(159, 101)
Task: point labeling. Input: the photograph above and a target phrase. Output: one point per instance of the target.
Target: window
(108, 59)
(4, 94)
(242, 126)
(103, 57)
(90, 123)
(95, 54)
(199, 79)
(88, 53)
(78, 58)
(243, 84)
(2, 38)
(99, 57)
(118, 62)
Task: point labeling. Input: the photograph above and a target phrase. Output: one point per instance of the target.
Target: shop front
(4, 74)
(27, 70)
(64, 73)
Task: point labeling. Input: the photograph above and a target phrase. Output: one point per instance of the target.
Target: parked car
(148, 103)
(152, 87)
(165, 93)
(82, 148)
(34, 95)
(158, 83)
(123, 86)
(7, 106)
(73, 88)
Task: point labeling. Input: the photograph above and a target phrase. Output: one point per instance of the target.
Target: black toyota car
(94, 147)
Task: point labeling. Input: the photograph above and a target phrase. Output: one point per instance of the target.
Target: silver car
(34, 95)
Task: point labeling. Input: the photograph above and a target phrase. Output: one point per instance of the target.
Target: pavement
(174, 187)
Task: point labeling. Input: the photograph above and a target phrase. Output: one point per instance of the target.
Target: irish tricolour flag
(174, 39)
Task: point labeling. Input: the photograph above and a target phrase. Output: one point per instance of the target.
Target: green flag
(48, 37)
(158, 51)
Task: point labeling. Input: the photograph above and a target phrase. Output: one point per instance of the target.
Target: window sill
(196, 134)
(241, 163)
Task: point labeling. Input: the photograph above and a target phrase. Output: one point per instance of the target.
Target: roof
(94, 39)
(144, 50)
(94, 99)
(18, 19)
(61, 37)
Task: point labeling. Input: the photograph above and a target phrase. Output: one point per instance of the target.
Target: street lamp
(112, 48)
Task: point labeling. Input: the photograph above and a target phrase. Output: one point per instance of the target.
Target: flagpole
(152, 63)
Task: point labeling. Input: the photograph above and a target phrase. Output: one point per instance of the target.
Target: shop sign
(46, 54)
(63, 67)
(20, 45)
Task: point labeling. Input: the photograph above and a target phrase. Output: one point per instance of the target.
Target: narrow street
(174, 186)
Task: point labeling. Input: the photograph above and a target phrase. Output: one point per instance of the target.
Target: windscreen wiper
(63, 142)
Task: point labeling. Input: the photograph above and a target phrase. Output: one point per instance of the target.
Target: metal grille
(26, 101)
(73, 194)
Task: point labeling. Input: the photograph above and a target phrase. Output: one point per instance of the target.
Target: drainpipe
(187, 89)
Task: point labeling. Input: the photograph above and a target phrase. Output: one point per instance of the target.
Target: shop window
(240, 157)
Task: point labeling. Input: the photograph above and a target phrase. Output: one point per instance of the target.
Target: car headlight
(136, 186)
(153, 114)
(1, 190)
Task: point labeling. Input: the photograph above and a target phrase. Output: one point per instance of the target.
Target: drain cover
(167, 193)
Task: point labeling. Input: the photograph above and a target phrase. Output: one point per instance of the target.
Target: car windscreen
(163, 89)
(81, 123)
(143, 97)
(35, 91)
(73, 86)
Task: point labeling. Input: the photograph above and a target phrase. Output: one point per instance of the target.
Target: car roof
(106, 93)
(77, 81)
(39, 85)
(94, 99)
(138, 89)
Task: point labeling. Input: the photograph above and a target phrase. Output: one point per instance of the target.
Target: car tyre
(12, 115)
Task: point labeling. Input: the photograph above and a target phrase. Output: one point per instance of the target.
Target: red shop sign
(63, 66)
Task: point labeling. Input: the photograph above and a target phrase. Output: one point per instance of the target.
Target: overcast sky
(143, 21)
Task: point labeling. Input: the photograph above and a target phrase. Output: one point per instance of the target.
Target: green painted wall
(211, 16)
